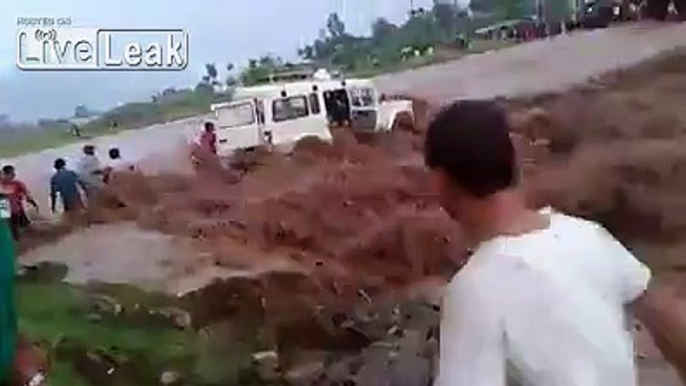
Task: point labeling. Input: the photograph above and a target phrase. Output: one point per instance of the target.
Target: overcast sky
(219, 30)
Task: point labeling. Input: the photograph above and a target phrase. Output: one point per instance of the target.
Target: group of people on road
(66, 185)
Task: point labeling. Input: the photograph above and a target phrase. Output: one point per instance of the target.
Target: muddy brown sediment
(363, 208)
(361, 211)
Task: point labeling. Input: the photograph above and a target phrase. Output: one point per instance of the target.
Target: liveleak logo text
(78, 48)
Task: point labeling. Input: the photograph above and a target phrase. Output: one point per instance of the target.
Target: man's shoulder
(578, 228)
(475, 276)
(574, 220)
(64, 174)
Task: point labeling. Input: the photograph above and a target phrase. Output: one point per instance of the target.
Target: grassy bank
(118, 335)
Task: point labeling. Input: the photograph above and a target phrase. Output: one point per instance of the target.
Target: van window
(285, 109)
(235, 115)
(314, 104)
(362, 97)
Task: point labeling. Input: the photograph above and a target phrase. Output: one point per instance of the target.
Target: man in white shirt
(89, 169)
(542, 301)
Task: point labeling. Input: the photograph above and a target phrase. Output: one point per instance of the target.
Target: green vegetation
(118, 335)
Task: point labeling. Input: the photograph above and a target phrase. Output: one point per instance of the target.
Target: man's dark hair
(470, 141)
(8, 169)
(60, 163)
(209, 126)
(114, 153)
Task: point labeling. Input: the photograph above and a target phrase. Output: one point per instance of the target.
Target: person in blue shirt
(65, 183)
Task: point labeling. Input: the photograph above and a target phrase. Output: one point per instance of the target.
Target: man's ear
(437, 180)
(444, 184)
(440, 182)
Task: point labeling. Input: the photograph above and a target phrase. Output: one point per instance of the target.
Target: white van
(278, 115)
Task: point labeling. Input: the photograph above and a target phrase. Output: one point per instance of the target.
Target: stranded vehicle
(278, 115)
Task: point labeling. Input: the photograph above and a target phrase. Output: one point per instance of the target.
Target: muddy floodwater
(115, 253)
(124, 253)
(324, 251)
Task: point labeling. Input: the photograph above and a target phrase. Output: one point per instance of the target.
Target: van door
(390, 110)
(238, 126)
(295, 117)
(364, 108)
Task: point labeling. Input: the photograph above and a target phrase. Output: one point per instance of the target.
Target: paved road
(541, 66)
(157, 142)
(545, 65)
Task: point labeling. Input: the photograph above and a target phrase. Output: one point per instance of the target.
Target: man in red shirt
(208, 139)
(17, 193)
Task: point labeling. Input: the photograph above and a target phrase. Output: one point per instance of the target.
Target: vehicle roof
(274, 89)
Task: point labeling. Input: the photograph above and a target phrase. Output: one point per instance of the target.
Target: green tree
(306, 52)
(514, 9)
(382, 30)
(335, 25)
(231, 80)
(81, 111)
(260, 69)
(421, 31)
(446, 18)
(212, 74)
(204, 89)
(484, 6)
(556, 10)
(211, 71)
(270, 61)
